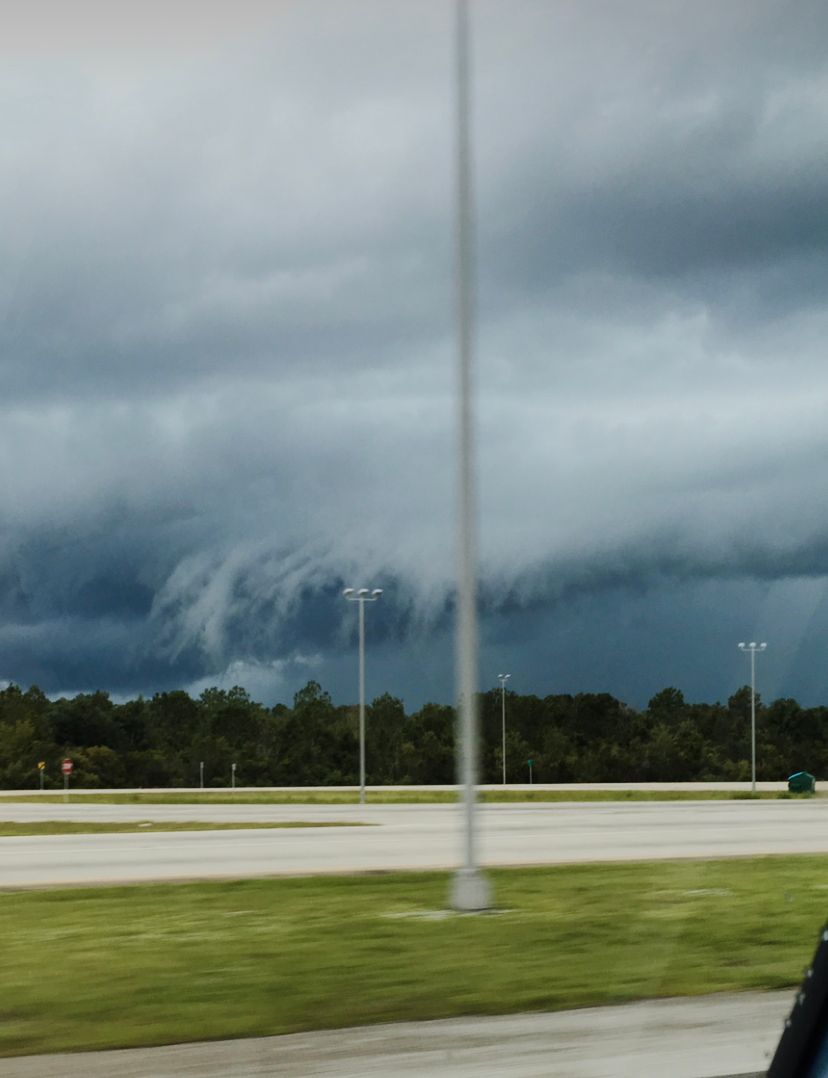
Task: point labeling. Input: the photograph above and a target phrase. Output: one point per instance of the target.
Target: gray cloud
(226, 348)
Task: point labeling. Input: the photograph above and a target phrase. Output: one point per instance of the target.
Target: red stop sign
(66, 767)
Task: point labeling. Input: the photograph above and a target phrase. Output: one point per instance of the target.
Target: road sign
(66, 767)
(41, 765)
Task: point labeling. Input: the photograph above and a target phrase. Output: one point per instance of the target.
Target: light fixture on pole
(470, 889)
(503, 678)
(362, 596)
(752, 648)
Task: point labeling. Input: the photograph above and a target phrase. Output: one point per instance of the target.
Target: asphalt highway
(398, 837)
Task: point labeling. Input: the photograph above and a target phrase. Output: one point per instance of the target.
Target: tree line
(587, 737)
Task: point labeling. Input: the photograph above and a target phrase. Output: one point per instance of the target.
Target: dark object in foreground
(801, 782)
(802, 1051)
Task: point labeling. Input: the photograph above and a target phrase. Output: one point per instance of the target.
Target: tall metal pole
(470, 889)
(753, 720)
(362, 596)
(503, 678)
(752, 648)
(362, 703)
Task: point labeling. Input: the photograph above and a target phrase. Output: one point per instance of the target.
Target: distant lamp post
(503, 678)
(752, 648)
(362, 596)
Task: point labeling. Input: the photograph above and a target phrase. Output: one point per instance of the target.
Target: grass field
(10, 829)
(145, 965)
(338, 797)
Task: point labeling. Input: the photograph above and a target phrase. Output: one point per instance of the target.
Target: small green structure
(801, 782)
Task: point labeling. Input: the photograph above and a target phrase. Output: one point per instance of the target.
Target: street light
(362, 596)
(752, 648)
(503, 678)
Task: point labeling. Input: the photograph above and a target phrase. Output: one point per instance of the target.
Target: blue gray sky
(226, 350)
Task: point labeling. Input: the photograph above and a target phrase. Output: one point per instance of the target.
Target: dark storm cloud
(276, 201)
(226, 353)
(679, 144)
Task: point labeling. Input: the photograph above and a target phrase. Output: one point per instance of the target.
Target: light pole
(362, 596)
(503, 678)
(470, 889)
(752, 648)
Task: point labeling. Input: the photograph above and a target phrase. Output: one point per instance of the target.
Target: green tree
(667, 706)
(385, 724)
(429, 751)
(21, 748)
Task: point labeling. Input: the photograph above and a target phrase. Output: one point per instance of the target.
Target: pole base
(471, 891)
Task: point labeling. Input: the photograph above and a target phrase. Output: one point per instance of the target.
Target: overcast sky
(227, 357)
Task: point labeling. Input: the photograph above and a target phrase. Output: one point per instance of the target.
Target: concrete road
(402, 836)
(680, 1038)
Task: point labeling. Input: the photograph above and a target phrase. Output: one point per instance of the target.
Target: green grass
(494, 796)
(9, 829)
(100, 968)
(336, 797)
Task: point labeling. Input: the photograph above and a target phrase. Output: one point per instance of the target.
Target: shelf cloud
(227, 351)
